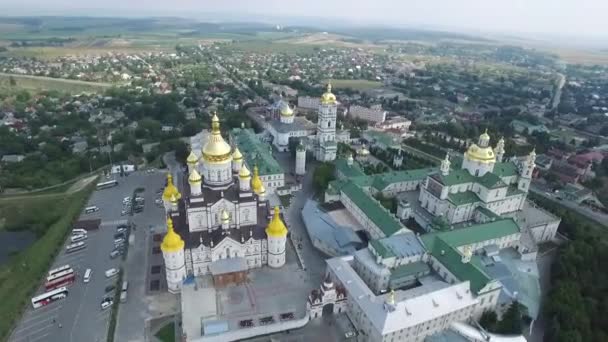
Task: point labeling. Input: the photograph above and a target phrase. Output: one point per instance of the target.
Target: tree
(324, 173)
(512, 320)
(488, 320)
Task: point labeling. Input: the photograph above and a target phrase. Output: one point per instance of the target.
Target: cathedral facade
(223, 214)
(484, 181)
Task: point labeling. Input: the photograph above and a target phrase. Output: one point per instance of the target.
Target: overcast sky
(564, 17)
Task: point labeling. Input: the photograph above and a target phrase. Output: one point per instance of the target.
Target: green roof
(461, 198)
(382, 181)
(449, 257)
(385, 221)
(488, 213)
(348, 170)
(455, 177)
(256, 152)
(491, 181)
(505, 169)
(477, 233)
(381, 249)
(409, 270)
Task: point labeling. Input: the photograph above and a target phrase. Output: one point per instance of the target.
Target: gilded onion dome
(256, 183)
(286, 110)
(216, 149)
(195, 177)
(237, 155)
(172, 242)
(328, 97)
(173, 199)
(276, 228)
(170, 189)
(244, 172)
(192, 158)
(481, 153)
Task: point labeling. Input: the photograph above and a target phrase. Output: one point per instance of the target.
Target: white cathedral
(324, 143)
(222, 215)
(484, 180)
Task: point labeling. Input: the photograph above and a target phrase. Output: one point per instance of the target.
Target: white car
(106, 304)
(349, 334)
(126, 200)
(111, 272)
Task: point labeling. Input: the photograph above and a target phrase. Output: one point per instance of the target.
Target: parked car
(110, 288)
(114, 254)
(111, 272)
(106, 304)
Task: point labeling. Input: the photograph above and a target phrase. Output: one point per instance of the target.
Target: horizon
(517, 18)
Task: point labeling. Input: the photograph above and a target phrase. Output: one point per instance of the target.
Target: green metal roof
(461, 198)
(488, 213)
(256, 152)
(409, 270)
(491, 181)
(505, 169)
(348, 170)
(477, 233)
(455, 177)
(386, 222)
(381, 249)
(449, 257)
(382, 181)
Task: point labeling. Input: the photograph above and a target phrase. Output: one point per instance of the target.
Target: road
(596, 216)
(80, 315)
(140, 305)
(558, 92)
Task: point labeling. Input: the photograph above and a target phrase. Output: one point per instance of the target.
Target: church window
(477, 173)
(219, 175)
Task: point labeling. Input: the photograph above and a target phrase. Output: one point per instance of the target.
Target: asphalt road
(596, 216)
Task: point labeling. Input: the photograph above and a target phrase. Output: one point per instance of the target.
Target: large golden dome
(286, 110)
(276, 228)
(328, 97)
(216, 150)
(172, 242)
(480, 154)
(170, 189)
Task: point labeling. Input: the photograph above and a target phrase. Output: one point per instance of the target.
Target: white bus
(87, 275)
(79, 237)
(61, 279)
(59, 269)
(75, 247)
(91, 209)
(78, 231)
(107, 184)
(49, 297)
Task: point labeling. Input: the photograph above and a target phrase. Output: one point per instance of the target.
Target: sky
(556, 17)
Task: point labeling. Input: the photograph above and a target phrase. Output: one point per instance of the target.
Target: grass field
(167, 333)
(20, 278)
(263, 46)
(355, 84)
(47, 83)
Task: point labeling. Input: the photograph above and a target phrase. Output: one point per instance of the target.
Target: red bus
(60, 279)
(49, 297)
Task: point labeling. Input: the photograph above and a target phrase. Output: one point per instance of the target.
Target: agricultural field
(36, 83)
(355, 84)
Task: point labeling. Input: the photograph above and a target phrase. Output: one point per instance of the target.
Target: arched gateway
(326, 300)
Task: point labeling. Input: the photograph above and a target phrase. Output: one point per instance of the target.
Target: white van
(91, 209)
(87, 275)
(111, 272)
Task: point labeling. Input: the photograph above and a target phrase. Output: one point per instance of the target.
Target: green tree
(512, 320)
(324, 173)
(488, 320)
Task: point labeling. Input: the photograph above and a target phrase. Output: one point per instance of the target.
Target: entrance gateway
(326, 300)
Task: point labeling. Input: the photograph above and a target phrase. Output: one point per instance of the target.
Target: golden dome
(244, 172)
(192, 158)
(328, 97)
(480, 154)
(216, 150)
(485, 135)
(173, 199)
(363, 151)
(172, 242)
(236, 155)
(225, 217)
(276, 228)
(195, 177)
(170, 189)
(286, 110)
(256, 183)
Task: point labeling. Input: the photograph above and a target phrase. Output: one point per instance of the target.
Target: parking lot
(79, 317)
